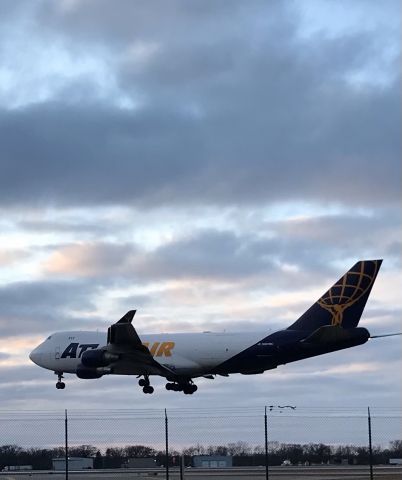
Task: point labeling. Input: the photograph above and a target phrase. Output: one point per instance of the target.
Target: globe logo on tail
(349, 290)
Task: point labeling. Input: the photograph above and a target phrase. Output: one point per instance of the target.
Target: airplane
(330, 324)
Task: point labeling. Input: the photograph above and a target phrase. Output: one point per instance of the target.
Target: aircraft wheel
(168, 386)
(60, 385)
(190, 389)
(142, 382)
(148, 389)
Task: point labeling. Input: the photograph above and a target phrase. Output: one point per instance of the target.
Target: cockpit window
(48, 338)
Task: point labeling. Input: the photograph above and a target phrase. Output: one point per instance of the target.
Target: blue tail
(343, 304)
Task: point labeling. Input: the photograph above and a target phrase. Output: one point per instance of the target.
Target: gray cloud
(42, 306)
(221, 267)
(169, 163)
(314, 242)
(10, 11)
(228, 118)
(46, 226)
(208, 254)
(308, 244)
(95, 23)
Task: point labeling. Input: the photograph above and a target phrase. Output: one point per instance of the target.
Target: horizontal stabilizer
(330, 335)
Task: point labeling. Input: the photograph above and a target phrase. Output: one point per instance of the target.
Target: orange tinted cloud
(88, 259)
(10, 256)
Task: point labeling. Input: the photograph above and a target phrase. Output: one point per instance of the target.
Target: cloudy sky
(215, 165)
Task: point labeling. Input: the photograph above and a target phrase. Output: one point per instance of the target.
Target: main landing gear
(144, 383)
(187, 388)
(60, 385)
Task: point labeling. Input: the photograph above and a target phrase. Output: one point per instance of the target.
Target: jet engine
(87, 373)
(98, 358)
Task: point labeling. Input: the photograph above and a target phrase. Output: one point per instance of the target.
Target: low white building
(74, 463)
(212, 461)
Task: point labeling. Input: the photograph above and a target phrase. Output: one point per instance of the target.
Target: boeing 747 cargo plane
(328, 325)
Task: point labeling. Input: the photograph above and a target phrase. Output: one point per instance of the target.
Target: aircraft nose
(35, 356)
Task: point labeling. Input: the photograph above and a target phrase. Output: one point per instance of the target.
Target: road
(329, 472)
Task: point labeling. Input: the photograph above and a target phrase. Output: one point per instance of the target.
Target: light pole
(370, 444)
(167, 445)
(66, 442)
(271, 408)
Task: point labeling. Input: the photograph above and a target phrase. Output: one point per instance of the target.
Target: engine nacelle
(87, 373)
(98, 358)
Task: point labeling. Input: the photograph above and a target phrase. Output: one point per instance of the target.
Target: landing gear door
(57, 352)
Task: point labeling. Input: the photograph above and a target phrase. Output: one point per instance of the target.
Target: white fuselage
(192, 354)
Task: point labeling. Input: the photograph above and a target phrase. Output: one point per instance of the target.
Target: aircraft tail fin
(343, 304)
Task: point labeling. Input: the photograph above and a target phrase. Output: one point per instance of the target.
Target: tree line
(243, 454)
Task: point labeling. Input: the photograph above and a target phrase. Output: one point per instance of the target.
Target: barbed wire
(209, 412)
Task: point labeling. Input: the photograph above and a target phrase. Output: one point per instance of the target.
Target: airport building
(212, 461)
(74, 463)
(140, 462)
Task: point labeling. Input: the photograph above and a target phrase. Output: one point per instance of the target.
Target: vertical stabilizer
(343, 304)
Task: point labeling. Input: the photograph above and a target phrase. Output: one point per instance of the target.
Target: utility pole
(370, 444)
(182, 466)
(271, 408)
(167, 445)
(66, 441)
(266, 444)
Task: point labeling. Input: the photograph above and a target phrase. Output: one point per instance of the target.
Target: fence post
(167, 445)
(66, 441)
(182, 467)
(266, 444)
(370, 443)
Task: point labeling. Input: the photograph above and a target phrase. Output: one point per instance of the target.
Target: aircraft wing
(124, 342)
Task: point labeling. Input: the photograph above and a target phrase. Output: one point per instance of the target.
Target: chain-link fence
(189, 442)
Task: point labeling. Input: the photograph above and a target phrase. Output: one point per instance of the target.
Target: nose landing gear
(60, 385)
(144, 383)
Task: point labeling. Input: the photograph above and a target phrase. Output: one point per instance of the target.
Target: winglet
(128, 317)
